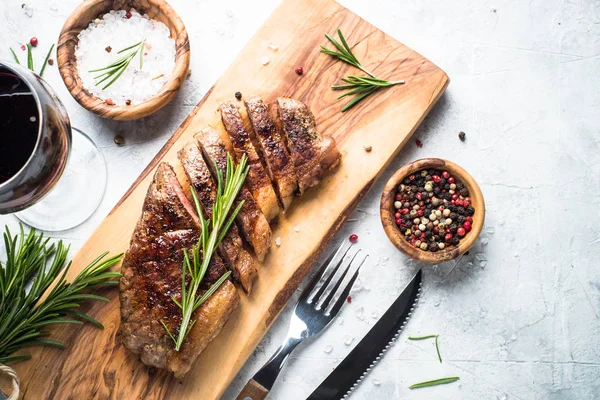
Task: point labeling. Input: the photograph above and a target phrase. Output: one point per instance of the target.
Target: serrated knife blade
(357, 364)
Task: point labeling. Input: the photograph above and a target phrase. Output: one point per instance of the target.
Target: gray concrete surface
(519, 317)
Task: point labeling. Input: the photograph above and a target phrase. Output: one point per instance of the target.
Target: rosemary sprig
(115, 69)
(30, 58)
(361, 86)
(437, 348)
(345, 53)
(435, 382)
(211, 234)
(32, 260)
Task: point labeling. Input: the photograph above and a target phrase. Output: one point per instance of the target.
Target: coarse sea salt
(118, 32)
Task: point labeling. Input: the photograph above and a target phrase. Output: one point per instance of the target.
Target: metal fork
(319, 303)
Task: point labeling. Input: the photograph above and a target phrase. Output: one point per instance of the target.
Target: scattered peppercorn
(127, 102)
(353, 238)
(23, 47)
(108, 49)
(33, 41)
(127, 15)
(349, 299)
(462, 136)
(50, 61)
(109, 102)
(418, 143)
(431, 209)
(119, 140)
(238, 95)
(368, 149)
(299, 70)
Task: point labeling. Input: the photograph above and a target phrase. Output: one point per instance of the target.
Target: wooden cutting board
(94, 364)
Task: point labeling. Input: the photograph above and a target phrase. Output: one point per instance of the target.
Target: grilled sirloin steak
(257, 181)
(250, 219)
(152, 277)
(277, 160)
(241, 263)
(313, 155)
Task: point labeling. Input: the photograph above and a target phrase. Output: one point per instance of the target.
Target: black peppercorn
(464, 192)
(460, 219)
(238, 95)
(470, 211)
(453, 228)
(455, 240)
(433, 247)
(453, 216)
(460, 210)
(447, 186)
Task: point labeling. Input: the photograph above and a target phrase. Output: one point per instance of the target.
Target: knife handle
(253, 391)
(268, 373)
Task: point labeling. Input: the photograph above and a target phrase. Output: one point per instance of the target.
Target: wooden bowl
(89, 10)
(392, 230)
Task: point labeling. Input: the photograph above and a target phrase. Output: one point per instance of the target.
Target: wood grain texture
(94, 363)
(397, 237)
(81, 17)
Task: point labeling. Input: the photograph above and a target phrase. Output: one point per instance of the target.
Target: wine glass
(52, 176)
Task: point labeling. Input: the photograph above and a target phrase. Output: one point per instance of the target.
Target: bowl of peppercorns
(432, 210)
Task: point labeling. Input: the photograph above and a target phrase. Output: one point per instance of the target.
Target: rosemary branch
(30, 58)
(437, 348)
(115, 69)
(211, 234)
(32, 262)
(360, 86)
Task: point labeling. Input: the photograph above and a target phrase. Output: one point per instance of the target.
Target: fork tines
(332, 283)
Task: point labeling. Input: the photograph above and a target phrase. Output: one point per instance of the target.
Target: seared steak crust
(250, 219)
(231, 249)
(257, 181)
(313, 155)
(276, 157)
(151, 278)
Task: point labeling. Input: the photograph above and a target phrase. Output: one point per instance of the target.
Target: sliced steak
(152, 277)
(272, 147)
(313, 155)
(257, 181)
(241, 263)
(250, 219)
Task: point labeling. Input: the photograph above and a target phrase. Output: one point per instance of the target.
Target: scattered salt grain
(490, 230)
(341, 321)
(53, 7)
(485, 241)
(265, 60)
(374, 315)
(229, 13)
(278, 241)
(114, 29)
(273, 47)
(376, 382)
(296, 229)
(483, 263)
(328, 349)
(348, 340)
(27, 9)
(480, 257)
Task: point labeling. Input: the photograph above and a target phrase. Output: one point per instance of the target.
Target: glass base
(78, 192)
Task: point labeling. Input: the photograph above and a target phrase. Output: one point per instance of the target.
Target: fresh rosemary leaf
(29, 57)
(211, 233)
(356, 100)
(437, 347)
(345, 53)
(435, 382)
(46, 60)
(15, 56)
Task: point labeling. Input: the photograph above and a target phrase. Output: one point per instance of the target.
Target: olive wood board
(94, 363)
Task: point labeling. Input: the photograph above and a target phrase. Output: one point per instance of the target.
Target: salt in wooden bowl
(79, 20)
(394, 233)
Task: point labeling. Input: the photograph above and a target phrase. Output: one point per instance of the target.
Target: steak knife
(355, 367)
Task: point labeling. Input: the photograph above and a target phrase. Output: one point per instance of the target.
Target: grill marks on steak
(313, 155)
(277, 160)
(241, 263)
(257, 181)
(250, 219)
(151, 278)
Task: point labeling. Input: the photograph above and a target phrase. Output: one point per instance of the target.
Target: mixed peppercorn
(433, 210)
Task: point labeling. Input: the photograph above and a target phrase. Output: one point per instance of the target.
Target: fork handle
(268, 373)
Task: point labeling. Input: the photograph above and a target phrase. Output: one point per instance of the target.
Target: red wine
(19, 124)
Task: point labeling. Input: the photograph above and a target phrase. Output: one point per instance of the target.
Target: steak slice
(250, 219)
(257, 181)
(151, 279)
(277, 159)
(313, 155)
(241, 263)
